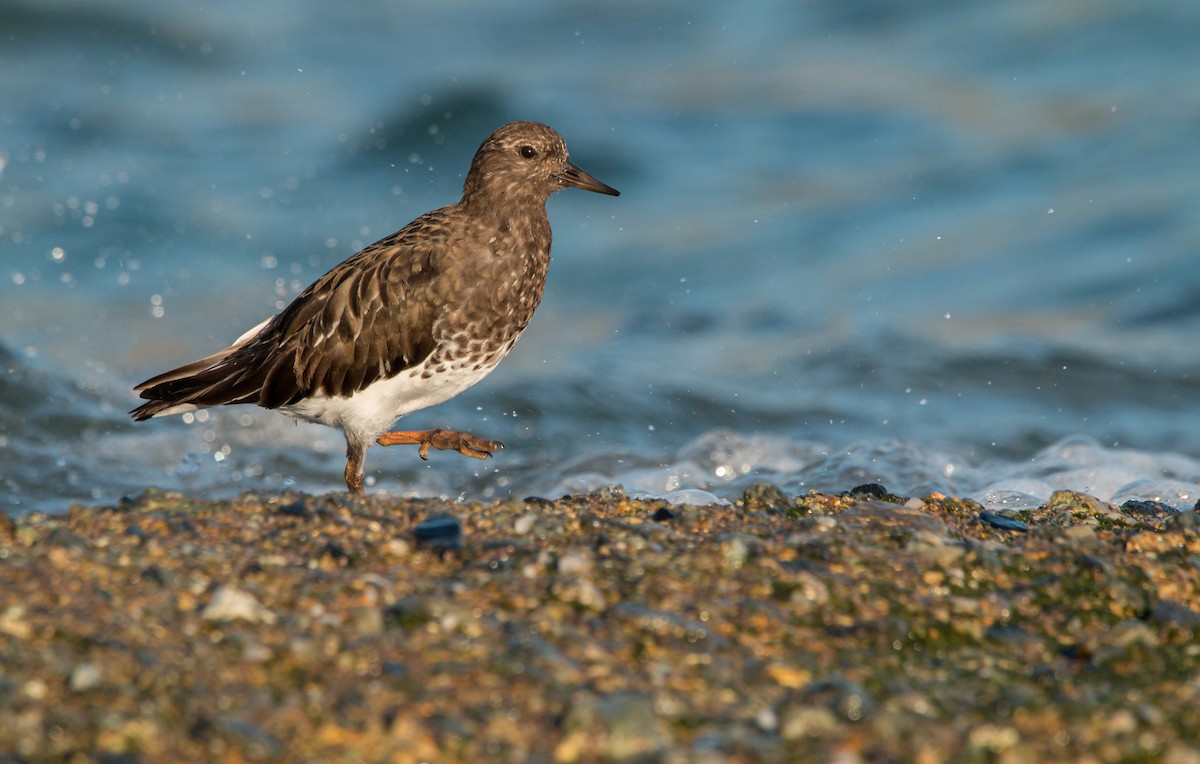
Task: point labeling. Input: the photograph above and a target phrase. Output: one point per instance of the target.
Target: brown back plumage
(369, 317)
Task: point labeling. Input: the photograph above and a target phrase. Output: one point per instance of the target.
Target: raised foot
(442, 440)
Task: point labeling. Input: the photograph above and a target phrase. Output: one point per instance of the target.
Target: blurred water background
(940, 247)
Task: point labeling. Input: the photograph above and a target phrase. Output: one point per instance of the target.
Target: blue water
(940, 247)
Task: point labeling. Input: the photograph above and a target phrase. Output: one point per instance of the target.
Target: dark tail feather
(236, 378)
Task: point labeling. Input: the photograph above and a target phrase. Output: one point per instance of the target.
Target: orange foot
(442, 440)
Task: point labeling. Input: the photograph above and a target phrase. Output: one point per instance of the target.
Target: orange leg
(442, 440)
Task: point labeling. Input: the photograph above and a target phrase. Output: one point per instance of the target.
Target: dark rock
(1147, 507)
(409, 613)
(155, 574)
(295, 509)
(1168, 611)
(1003, 522)
(336, 552)
(441, 532)
(539, 501)
(8, 528)
(662, 515)
(874, 490)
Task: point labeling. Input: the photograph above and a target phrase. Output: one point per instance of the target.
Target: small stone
(65, 537)
(625, 726)
(257, 743)
(85, 676)
(736, 551)
(801, 721)
(579, 591)
(367, 621)
(13, 623)
(229, 603)
(662, 515)
(524, 524)
(575, 564)
(846, 698)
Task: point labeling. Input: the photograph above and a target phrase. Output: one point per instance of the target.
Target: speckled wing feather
(368, 318)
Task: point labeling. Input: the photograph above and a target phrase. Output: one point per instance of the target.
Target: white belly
(372, 412)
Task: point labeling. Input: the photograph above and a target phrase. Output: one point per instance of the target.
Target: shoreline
(861, 626)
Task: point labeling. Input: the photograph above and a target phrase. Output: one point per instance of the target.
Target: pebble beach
(855, 627)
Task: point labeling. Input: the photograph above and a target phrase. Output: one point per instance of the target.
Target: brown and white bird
(408, 322)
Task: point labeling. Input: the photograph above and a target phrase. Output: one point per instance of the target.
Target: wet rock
(1003, 522)
(766, 496)
(662, 515)
(873, 490)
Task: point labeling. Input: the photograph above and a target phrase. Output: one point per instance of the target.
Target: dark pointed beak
(573, 176)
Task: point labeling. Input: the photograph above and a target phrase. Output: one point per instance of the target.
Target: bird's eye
(529, 152)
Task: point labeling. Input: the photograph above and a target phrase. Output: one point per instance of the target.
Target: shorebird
(408, 322)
